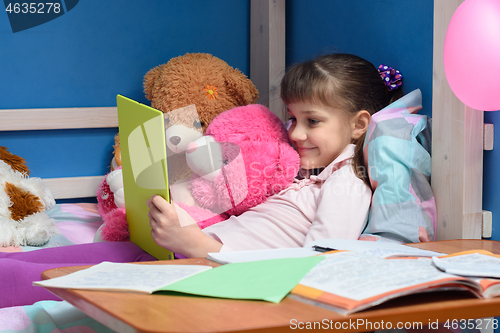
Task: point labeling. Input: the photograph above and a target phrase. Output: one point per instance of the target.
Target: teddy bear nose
(175, 140)
(191, 147)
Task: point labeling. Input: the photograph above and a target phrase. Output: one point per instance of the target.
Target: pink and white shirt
(333, 204)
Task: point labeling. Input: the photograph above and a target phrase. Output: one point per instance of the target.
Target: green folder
(144, 168)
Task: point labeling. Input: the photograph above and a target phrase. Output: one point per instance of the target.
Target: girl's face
(319, 133)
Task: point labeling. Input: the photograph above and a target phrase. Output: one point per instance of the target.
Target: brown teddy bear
(23, 201)
(198, 79)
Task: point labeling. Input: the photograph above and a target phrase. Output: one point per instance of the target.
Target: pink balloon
(472, 54)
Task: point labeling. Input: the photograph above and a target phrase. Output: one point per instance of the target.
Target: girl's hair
(344, 81)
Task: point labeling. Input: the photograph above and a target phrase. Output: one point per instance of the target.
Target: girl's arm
(185, 238)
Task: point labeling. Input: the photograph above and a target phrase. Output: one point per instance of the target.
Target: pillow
(397, 153)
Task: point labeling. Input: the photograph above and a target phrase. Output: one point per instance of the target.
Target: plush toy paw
(204, 157)
(115, 182)
(114, 227)
(111, 207)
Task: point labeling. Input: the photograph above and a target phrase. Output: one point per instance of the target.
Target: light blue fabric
(397, 154)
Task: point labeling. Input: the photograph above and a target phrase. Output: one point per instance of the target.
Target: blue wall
(391, 32)
(491, 176)
(95, 51)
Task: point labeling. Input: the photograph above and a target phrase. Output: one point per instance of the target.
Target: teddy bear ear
(15, 162)
(241, 87)
(149, 81)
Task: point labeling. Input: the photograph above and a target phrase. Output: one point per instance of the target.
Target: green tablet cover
(144, 168)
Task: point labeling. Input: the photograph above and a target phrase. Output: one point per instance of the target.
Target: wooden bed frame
(43, 119)
(457, 145)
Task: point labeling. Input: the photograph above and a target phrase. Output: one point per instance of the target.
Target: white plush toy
(204, 157)
(23, 202)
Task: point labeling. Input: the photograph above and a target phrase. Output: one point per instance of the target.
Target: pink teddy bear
(244, 158)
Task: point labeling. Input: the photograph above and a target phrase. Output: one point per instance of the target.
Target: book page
(268, 280)
(123, 276)
(376, 249)
(473, 264)
(358, 277)
(254, 255)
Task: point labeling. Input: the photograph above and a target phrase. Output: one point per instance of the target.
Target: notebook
(144, 168)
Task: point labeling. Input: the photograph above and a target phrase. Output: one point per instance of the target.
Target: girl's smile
(303, 150)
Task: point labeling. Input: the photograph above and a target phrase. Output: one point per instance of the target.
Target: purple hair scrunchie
(392, 78)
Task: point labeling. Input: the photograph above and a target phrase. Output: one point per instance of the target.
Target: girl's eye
(313, 121)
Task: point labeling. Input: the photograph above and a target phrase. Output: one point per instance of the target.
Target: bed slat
(66, 118)
(73, 187)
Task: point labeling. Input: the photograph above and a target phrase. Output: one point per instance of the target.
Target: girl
(330, 101)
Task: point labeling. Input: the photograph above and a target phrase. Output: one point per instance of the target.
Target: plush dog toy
(23, 202)
(198, 79)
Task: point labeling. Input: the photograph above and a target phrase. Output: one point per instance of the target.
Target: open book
(269, 280)
(348, 282)
(125, 277)
(377, 249)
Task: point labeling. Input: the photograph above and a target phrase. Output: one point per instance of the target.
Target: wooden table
(128, 312)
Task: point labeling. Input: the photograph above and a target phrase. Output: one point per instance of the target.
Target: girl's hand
(182, 235)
